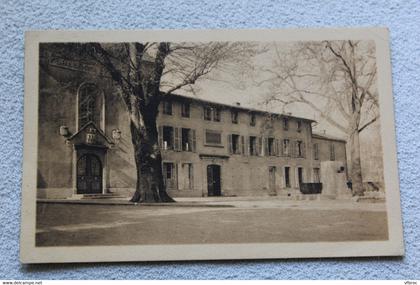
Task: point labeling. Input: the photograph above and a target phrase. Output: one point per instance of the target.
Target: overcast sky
(230, 87)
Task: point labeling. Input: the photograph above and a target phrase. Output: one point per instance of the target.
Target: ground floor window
(287, 176)
(317, 176)
(188, 175)
(169, 174)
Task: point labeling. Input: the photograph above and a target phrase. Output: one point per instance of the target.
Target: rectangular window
(168, 137)
(271, 146)
(286, 147)
(235, 144)
(185, 110)
(316, 151)
(285, 124)
(332, 152)
(300, 176)
(234, 116)
(299, 146)
(186, 139)
(207, 113)
(168, 169)
(287, 176)
(188, 175)
(213, 137)
(216, 114)
(299, 126)
(167, 107)
(170, 175)
(253, 146)
(317, 176)
(252, 119)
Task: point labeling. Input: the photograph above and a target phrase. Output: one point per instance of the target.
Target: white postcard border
(29, 253)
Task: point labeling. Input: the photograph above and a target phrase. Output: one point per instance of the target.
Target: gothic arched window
(90, 105)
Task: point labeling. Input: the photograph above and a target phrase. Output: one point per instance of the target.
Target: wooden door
(89, 175)
(213, 180)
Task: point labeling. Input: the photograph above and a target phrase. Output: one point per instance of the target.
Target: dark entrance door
(89, 175)
(272, 180)
(213, 180)
(300, 175)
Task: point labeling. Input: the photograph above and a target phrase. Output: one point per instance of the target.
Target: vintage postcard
(209, 144)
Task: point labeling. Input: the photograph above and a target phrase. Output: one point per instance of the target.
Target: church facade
(208, 148)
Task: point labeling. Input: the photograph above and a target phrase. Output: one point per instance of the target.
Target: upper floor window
(168, 137)
(216, 114)
(271, 149)
(286, 147)
(285, 124)
(235, 144)
(316, 151)
(185, 110)
(167, 107)
(252, 119)
(300, 149)
(188, 139)
(253, 145)
(207, 113)
(234, 116)
(212, 113)
(89, 109)
(299, 126)
(332, 152)
(213, 137)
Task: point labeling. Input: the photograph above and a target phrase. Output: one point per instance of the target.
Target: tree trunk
(149, 187)
(356, 167)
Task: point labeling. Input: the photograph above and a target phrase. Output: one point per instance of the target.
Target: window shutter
(277, 150)
(303, 150)
(266, 147)
(176, 185)
(257, 145)
(243, 145)
(260, 146)
(248, 146)
(282, 152)
(230, 144)
(176, 139)
(194, 141)
(160, 137)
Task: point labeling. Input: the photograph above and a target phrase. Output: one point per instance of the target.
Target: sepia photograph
(177, 145)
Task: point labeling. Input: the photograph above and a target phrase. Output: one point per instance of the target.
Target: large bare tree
(337, 79)
(147, 72)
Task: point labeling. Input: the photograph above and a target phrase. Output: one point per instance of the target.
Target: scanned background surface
(401, 17)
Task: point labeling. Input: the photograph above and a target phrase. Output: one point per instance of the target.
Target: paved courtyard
(209, 221)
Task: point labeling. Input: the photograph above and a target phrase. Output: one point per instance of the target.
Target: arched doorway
(213, 180)
(89, 175)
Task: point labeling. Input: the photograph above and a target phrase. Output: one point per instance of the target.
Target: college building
(208, 148)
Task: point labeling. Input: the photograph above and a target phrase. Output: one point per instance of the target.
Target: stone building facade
(208, 148)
